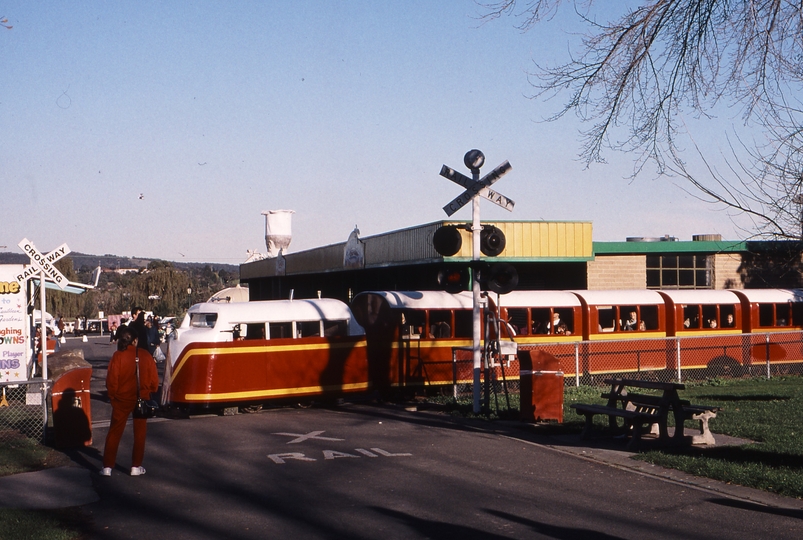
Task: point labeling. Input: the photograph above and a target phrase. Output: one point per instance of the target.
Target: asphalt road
(364, 471)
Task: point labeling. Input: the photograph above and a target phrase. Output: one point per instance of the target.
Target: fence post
(577, 364)
(454, 373)
(677, 356)
(767, 337)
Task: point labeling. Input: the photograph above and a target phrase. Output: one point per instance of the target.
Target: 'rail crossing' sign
(44, 264)
(477, 187)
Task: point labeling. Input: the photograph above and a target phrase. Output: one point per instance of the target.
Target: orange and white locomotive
(230, 354)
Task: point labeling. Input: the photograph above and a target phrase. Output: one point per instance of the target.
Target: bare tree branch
(635, 79)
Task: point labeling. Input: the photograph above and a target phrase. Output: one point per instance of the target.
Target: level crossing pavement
(379, 471)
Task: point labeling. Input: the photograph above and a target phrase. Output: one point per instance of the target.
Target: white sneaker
(106, 471)
(137, 471)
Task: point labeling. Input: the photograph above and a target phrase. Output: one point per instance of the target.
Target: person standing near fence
(121, 383)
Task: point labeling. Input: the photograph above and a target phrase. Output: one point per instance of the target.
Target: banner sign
(15, 346)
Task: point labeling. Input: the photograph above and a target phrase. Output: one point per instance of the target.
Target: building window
(679, 271)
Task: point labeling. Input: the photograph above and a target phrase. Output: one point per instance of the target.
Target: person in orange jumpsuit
(121, 383)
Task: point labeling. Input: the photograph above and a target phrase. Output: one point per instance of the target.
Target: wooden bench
(638, 410)
(634, 420)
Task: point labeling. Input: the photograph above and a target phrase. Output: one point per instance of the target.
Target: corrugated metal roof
(526, 241)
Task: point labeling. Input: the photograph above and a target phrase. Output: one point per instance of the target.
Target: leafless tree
(637, 80)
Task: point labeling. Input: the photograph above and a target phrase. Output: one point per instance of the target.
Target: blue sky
(341, 111)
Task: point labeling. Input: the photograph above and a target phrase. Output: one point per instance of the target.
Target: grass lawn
(768, 412)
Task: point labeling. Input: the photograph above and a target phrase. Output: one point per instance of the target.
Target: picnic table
(638, 410)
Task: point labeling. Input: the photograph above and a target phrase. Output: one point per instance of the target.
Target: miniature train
(254, 352)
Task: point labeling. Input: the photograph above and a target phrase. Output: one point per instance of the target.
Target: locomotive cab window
(203, 320)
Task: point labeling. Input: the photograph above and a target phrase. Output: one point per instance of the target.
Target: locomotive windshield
(203, 320)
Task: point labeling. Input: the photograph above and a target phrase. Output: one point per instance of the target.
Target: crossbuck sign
(477, 187)
(43, 264)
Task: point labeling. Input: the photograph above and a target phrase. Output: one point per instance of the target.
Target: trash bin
(70, 398)
(541, 386)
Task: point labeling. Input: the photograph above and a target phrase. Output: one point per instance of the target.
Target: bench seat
(634, 420)
(638, 410)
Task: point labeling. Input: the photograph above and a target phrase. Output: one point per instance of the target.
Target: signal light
(453, 280)
(492, 241)
(503, 278)
(447, 240)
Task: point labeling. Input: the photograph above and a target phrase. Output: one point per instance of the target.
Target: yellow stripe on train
(278, 392)
(220, 351)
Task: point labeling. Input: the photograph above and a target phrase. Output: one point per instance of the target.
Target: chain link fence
(23, 410)
(676, 359)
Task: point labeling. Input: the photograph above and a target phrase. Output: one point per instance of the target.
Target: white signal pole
(474, 160)
(476, 187)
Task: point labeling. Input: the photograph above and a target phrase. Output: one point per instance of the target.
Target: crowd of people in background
(147, 329)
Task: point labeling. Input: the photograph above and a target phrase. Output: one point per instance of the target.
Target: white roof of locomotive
(276, 310)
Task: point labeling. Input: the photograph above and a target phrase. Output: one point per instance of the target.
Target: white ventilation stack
(278, 231)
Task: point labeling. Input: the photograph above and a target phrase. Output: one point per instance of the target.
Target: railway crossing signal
(493, 240)
(477, 187)
(43, 267)
(43, 264)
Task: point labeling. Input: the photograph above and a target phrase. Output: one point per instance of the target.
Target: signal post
(476, 187)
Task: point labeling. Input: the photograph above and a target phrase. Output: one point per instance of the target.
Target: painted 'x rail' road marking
(301, 437)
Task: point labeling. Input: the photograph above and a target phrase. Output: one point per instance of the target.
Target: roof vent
(706, 238)
(665, 238)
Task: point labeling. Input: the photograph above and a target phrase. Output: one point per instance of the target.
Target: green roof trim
(486, 259)
(622, 248)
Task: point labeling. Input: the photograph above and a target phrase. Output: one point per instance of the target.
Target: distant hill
(113, 261)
